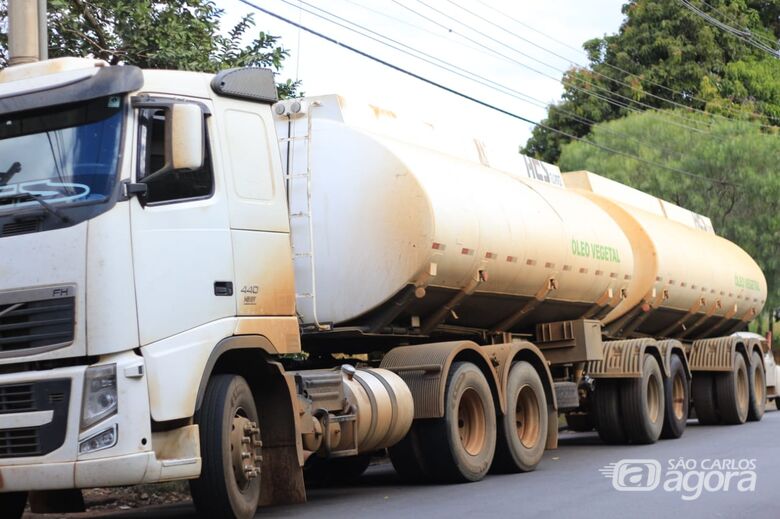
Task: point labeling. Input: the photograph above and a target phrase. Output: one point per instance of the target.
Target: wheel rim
(743, 394)
(244, 446)
(471, 422)
(653, 398)
(678, 397)
(527, 417)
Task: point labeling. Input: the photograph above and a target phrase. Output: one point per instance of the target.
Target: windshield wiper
(15, 168)
(50, 209)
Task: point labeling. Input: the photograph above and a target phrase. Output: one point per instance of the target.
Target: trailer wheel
(677, 394)
(733, 392)
(459, 447)
(607, 406)
(229, 482)
(335, 471)
(408, 458)
(703, 392)
(643, 404)
(12, 504)
(522, 434)
(757, 388)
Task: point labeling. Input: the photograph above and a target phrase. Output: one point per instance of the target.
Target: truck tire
(732, 391)
(678, 399)
(335, 471)
(642, 403)
(703, 392)
(12, 504)
(757, 388)
(459, 447)
(607, 406)
(408, 459)
(229, 482)
(522, 434)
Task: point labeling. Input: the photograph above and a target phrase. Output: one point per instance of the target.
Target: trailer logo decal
(742, 282)
(595, 250)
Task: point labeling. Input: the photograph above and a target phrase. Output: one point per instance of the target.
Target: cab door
(258, 215)
(182, 250)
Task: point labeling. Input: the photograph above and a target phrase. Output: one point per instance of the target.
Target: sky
(509, 45)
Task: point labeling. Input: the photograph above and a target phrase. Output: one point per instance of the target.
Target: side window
(174, 185)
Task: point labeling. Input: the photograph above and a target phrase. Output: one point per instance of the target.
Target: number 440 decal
(250, 294)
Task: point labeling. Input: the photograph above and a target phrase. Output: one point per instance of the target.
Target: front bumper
(138, 456)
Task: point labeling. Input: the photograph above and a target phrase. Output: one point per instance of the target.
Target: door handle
(223, 288)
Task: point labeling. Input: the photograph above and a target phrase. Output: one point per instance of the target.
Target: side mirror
(187, 136)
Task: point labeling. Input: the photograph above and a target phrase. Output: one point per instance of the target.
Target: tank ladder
(300, 208)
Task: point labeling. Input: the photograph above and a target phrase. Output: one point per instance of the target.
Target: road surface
(716, 471)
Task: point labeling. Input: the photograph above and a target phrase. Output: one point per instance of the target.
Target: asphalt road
(568, 483)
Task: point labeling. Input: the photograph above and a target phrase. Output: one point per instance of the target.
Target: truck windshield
(64, 155)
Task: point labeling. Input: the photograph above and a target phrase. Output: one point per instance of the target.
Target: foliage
(174, 34)
(664, 48)
(738, 155)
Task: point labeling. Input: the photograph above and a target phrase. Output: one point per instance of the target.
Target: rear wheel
(733, 392)
(643, 404)
(757, 388)
(459, 447)
(12, 504)
(607, 407)
(229, 483)
(676, 392)
(523, 431)
(703, 390)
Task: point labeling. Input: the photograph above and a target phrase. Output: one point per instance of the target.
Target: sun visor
(68, 87)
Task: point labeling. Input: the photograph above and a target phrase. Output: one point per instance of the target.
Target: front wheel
(522, 434)
(229, 482)
(12, 504)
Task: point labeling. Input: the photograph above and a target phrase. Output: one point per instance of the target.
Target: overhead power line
(638, 90)
(681, 95)
(453, 69)
(478, 101)
(742, 34)
(625, 102)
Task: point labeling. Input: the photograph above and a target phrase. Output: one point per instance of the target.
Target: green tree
(738, 157)
(664, 51)
(172, 34)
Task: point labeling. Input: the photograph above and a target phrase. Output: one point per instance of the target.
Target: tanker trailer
(575, 285)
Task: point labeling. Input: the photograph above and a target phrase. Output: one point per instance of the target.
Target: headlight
(99, 400)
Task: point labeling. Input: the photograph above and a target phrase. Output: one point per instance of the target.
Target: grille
(23, 227)
(36, 324)
(17, 399)
(46, 395)
(19, 442)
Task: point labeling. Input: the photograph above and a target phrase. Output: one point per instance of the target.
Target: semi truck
(201, 282)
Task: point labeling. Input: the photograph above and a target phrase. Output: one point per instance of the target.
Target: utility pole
(27, 40)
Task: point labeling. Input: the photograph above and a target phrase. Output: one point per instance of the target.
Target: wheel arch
(277, 406)
(424, 369)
